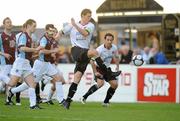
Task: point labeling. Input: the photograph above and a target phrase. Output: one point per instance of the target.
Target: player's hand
(38, 49)
(73, 22)
(41, 52)
(8, 56)
(56, 50)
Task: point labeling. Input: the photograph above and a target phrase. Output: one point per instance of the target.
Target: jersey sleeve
(43, 42)
(22, 40)
(116, 54)
(90, 28)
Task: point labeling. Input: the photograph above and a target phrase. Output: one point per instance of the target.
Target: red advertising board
(156, 84)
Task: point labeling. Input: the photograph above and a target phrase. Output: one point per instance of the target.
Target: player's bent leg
(32, 96)
(13, 81)
(91, 90)
(110, 92)
(114, 84)
(58, 86)
(20, 88)
(50, 94)
(92, 53)
(18, 99)
(72, 89)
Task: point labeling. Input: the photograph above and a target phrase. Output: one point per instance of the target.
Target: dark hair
(85, 11)
(29, 22)
(4, 20)
(108, 34)
(49, 26)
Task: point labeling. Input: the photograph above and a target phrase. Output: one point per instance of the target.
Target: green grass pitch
(91, 112)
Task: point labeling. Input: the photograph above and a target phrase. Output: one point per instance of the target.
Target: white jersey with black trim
(107, 54)
(77, 39)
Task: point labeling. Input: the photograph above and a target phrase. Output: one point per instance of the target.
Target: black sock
(18, 99)
(37, 91)
(90, 91)
(72, 91)
(109, 95)
(101, 64)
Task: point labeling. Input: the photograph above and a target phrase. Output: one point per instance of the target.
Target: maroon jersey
(28, 55)
(46, 43)
(55, 57)
(9, 46)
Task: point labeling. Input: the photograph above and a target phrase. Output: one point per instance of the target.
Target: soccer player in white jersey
(80, 36)
(21, 66)
(107, 52)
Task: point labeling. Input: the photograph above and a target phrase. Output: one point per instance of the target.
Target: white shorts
(59, 71)
(47, 79)
(21, 68)
(5, 73)
(5, 69)
(41, 68)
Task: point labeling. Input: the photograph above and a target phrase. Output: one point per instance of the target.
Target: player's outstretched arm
(84, 32)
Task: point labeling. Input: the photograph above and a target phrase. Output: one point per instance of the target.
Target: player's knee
(92, 53)
(11, 84)
(53, 88)
(57, 78)
(32, 85)
(114, 85)
(100, 84)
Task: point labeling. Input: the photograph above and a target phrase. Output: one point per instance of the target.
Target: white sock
(20, 88)
(59, 91)
(50, 94)
(46, 79)
(32, 97)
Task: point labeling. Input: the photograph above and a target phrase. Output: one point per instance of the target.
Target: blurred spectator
(65, 57)
(157, 57)
(178, 62)
(137, 51)
(126, 55)
(153, 40)
(146, 54)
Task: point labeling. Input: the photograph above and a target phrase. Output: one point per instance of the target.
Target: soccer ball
(67, 28)
(137, 60)
(2, 86)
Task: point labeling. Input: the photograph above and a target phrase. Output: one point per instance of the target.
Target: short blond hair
(85, 11)
(29, 22)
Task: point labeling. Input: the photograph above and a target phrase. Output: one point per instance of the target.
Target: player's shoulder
(90, 24)
(114, 47)
(43, 39)
(22, 35)
(100, 47)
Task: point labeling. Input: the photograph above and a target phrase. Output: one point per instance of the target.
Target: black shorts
(81, 58)
(107, 77)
